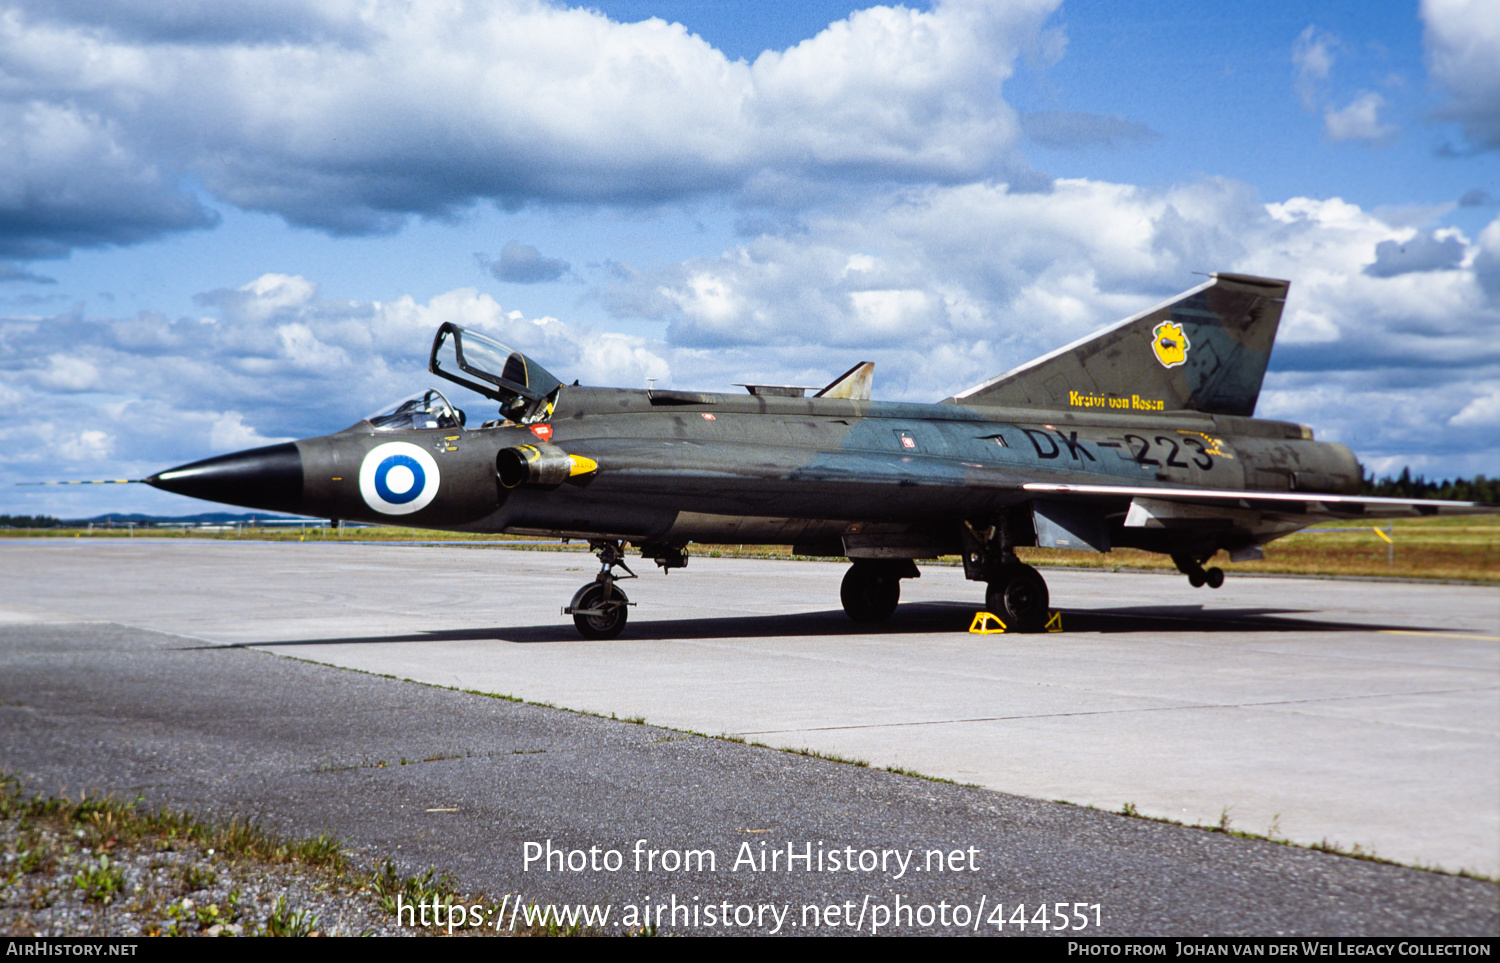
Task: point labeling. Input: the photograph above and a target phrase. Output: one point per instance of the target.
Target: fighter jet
(1141, 435)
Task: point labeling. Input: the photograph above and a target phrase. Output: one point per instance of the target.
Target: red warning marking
(544, 432)
(707, 416)
(908, 442)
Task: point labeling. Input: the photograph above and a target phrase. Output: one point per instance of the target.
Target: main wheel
(1214, 577)
(608, 624)
(1019, 597)
(869, 594)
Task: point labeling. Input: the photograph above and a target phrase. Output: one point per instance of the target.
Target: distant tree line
(1476, 489)
(29, 521)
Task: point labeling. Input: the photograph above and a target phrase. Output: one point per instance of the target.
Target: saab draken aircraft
(1141, 435)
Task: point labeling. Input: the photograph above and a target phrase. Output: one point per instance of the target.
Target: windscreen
(425, 409)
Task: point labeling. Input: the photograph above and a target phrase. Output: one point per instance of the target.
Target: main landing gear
(1197, 575)
(600, 609)
(872, 587)
(1016, 592)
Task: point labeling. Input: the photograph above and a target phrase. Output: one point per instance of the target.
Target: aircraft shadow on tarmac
(922, 618)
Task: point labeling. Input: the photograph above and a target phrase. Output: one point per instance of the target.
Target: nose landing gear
(600, 608)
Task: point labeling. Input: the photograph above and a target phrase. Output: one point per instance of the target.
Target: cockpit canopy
(425, 409)
(482, 364)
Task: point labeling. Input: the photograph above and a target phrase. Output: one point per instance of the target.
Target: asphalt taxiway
(1361, 714)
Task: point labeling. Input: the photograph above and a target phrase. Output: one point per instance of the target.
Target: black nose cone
(269, 478)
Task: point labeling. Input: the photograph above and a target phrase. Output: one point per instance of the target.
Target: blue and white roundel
(398, 478)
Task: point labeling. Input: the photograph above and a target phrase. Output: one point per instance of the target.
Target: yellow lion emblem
(1169, 344)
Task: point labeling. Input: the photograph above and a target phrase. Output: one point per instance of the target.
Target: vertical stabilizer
(1204, 350)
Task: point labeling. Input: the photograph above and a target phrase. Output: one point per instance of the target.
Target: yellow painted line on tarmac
(1445, 635)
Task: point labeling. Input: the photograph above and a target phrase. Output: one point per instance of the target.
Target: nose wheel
(600, 609)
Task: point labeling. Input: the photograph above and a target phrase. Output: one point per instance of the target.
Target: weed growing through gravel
(100, 881)
(430, 887)
(98, 866)
(285, 921)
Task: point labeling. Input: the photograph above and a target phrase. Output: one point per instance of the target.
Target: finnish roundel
(398, 478)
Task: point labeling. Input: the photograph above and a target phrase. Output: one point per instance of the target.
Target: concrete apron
(1357, 713)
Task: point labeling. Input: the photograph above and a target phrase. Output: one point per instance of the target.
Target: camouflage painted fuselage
(1139, 435)
(832, 476)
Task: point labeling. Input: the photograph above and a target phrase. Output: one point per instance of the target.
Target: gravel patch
(57, 882)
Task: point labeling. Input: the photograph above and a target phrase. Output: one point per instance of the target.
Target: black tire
(1018, 596)
(1196, 579)
(869, 594)
(1214, 577)
(605, 626)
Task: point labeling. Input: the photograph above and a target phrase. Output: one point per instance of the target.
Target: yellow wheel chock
(988, 623)
(981, 624)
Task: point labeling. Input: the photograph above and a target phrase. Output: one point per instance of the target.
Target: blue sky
(227, 224)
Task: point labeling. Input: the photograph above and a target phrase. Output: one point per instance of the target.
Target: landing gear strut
(1196, 574)
(872, 587)
(1017, 593)
(600, 609)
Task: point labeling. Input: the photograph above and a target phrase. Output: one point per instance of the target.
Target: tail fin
(1205, 350)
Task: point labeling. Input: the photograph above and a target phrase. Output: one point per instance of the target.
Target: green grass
(92, 837)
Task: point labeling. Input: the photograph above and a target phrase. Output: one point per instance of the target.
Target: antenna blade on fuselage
(853, 384)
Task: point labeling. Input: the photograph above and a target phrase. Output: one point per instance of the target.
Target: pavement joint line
(1107, 712)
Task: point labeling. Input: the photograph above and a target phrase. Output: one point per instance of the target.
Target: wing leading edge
(1309, 505)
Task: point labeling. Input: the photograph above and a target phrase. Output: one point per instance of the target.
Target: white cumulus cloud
(134, 395)
(1462, 38)
(1358, 120)
(1313, 57)
(1482, 412)
(352, 116)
